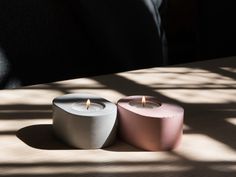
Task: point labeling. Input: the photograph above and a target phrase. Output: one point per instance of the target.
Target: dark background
(49, 40)
(200, 29)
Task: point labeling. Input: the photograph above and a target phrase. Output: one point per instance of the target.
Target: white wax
(81, 106)
(147, 104)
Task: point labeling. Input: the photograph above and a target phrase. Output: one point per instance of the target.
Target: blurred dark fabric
(200, 29)
(49, 40)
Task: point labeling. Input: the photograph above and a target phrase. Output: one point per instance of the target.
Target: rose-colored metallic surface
(154, 129)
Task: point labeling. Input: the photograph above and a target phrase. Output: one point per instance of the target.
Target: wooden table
(207, 91)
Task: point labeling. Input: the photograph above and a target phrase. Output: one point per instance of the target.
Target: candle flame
(88, 104)
(143, 100)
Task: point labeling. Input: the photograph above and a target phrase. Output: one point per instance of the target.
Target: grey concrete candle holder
(90, 128)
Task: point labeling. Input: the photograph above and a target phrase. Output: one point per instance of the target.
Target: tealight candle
(84, 120)
(144, 104)
(149, 124)
(87, 106)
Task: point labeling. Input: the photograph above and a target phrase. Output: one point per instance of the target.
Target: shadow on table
(42, 137)
(25, 111)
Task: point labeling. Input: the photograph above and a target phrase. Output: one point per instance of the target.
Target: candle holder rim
(64, 103)
(163, 115)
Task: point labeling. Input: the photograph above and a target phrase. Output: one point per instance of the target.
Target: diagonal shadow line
(215, 66)
(25, 111)
(221, 71)
(221, 133)
(58, 87)
(129, 87)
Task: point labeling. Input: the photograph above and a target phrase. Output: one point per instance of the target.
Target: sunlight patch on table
(92, 168)
(81, 82)
(200, 147)
(201, 96)
(231, 120)
(233, 70)
(179, 78)
(111, 95)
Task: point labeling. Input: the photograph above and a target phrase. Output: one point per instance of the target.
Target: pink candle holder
(149, 124)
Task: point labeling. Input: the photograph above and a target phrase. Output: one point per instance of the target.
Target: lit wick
(143, 101)
(87, 104)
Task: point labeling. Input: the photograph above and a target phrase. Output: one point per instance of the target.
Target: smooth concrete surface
(84, 126)
(153, 125)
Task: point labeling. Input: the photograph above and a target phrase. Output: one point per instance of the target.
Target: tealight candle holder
(84, 120)
(149, 124)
